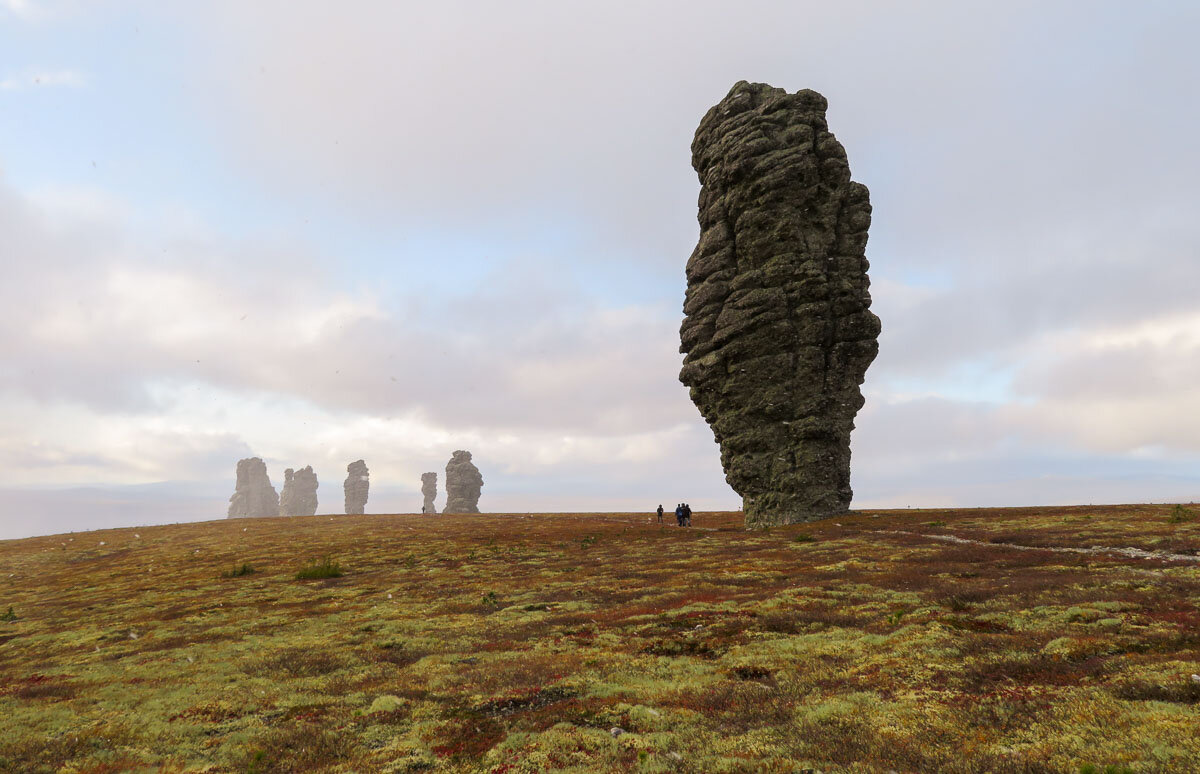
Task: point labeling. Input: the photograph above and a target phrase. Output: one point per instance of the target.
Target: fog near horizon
(316, 235)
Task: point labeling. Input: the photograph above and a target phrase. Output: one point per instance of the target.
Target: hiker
(687, 515)
(679, 515)
(660, 513)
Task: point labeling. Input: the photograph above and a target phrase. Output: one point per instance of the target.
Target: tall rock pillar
(356, 486)
(778, 332)
(253, 496)
(463, 484)
(429, 492)
(299, 496)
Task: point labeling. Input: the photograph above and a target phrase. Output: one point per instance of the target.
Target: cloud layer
(316, 234)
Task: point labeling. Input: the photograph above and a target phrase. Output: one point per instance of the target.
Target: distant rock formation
(299, 496)
(358, 481)
(429, 490)
(463, 484)
(253, 496)
(778, 332)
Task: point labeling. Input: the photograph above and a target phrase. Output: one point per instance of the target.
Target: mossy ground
(515, 643)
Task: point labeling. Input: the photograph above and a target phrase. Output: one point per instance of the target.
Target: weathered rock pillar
(778, 332)
(299, 496)
(463, 484)
(356, 486)
(429, 491)
(253, 496)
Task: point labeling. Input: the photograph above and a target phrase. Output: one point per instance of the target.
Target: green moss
(386, 703)
(1082, 614)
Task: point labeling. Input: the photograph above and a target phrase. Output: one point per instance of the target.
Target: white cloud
(123, 367)
(1175, 332)
(1034, 248)
(1117, 388)
(41, 11)
(72, 205)
(19, 8)
(43, 79)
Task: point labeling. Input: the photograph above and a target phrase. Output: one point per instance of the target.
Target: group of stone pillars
(255, 497)
(463, 486)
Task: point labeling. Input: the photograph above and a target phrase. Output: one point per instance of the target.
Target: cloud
(123, 362)
(508, 203)
(40, 11)
(43, 79)
(1000, 121)
(95, 317)
(122, 326)
(1115, 272)
(934, 452)
(19, 8)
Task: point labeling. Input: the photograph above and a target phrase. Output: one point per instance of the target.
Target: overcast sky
(315, 232)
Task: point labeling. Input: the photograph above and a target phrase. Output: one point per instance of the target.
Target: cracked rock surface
(463, 484)
(778, 332)
(429, 492)
(356, 486)
(253, 496)
(299, 496)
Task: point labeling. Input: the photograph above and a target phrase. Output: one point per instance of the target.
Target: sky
(317, 232)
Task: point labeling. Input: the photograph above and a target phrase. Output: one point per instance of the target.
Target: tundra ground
(520, 643)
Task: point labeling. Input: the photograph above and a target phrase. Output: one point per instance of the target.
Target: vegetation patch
(1177, 691)
(298, 746)
(536, 700)
(326, 567)
(1180, 515)
(239, 570)
(299, 662)
(517, 643)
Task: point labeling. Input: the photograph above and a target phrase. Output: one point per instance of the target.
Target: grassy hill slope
(512, 643)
